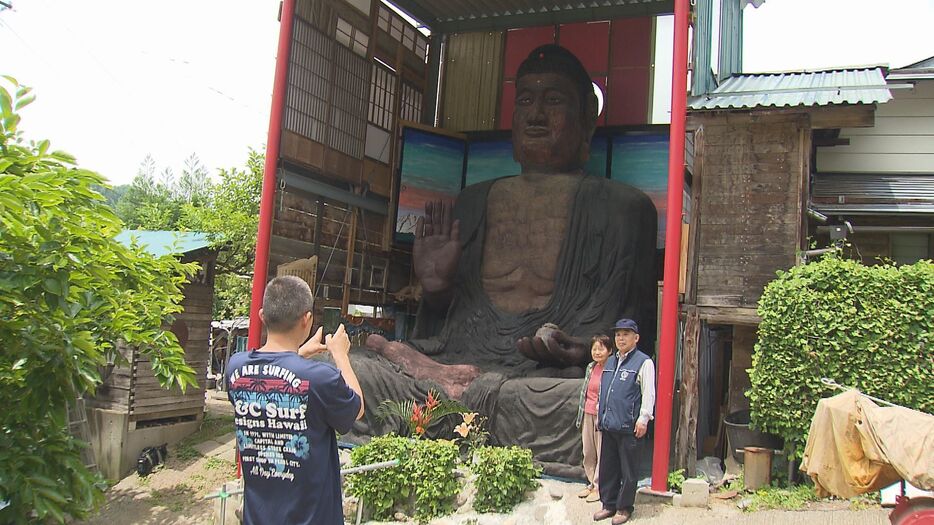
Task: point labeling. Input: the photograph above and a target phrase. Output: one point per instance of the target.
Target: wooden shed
(754, 139)
(130, 410)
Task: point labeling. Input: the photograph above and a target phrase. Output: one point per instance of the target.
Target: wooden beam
(729, 315)
(348, 265)
(857, 116)
(690, 278)
(686, 439)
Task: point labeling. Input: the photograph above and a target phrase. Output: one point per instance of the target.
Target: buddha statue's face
(548, 133)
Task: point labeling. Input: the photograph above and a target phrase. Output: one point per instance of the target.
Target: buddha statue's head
(555, 113)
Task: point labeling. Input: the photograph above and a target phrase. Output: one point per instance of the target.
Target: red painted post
(669, 326)
(267, 199)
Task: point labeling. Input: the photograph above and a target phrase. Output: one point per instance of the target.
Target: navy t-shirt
(286, 410)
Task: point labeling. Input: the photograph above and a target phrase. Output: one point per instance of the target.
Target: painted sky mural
(432, 169)
(641, 160)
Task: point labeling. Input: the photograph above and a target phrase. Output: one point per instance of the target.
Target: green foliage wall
(68, 292)
(869, 327)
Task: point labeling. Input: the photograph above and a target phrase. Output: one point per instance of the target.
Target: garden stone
(555, 492)
(694, 493)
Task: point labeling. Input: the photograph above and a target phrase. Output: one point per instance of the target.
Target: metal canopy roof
(917, 71)
(873, 192)
(452, 16)
(816, 88)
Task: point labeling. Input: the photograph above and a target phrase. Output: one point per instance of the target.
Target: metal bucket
(741, 436)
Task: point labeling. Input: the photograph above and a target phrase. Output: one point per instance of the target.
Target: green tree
(68, 292)
(148, 204)
(228, 209)
(231, 215)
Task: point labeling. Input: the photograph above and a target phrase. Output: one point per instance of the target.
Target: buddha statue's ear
(589, 115)
(589, 126)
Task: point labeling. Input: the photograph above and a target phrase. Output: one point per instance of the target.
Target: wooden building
(130, 410)
(754, 140)
(880, 180)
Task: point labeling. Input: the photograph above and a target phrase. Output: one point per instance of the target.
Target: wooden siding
(132, 387)
(298, 233)
(472, 76)
(902, 141)
(749, 215)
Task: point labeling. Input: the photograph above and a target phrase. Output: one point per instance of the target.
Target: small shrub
(432, 472)
(791, 498)
(676, 480)
(423, 485)
(504, 475)
(738, 484)
(216, 463)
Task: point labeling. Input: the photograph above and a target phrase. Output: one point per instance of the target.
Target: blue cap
(626, 324)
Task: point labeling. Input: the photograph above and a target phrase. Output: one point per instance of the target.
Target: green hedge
(869, 327)
(423, 485)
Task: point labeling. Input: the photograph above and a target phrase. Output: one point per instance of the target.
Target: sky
(117, 80)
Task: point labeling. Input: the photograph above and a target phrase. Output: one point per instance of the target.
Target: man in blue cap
(627, 402)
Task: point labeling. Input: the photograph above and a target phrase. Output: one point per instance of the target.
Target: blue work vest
(620, 394)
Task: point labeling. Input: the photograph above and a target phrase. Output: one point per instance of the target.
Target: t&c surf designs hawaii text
(270, 404)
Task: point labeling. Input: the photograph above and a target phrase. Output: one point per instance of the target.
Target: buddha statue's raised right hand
(436, 252)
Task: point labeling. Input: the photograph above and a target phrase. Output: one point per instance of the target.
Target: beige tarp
(855, 446)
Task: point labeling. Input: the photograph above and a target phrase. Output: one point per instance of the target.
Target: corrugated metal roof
(917, 71)
(448, 16)
(873, 193)
(817, 88)
(163, 242)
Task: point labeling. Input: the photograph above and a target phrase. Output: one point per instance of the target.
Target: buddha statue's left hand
(550, 345)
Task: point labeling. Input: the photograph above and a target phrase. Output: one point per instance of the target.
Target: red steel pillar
(669, 325)
(267, 199)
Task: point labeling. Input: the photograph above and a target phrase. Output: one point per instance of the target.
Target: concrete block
(108, 432)
(694, 493)
(137, 440)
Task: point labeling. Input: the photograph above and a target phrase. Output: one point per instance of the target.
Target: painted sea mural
(436, 166)
(432, 169)
(641, 160)
(492, 159)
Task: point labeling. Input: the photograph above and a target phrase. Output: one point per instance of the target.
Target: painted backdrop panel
(432, 169)
(641, 160)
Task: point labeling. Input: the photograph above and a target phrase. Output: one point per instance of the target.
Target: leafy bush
(432, 472)
(503, 477)
(422, 485)
(791, 498)
(676, 480)
(869, 327)
(68, 291)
